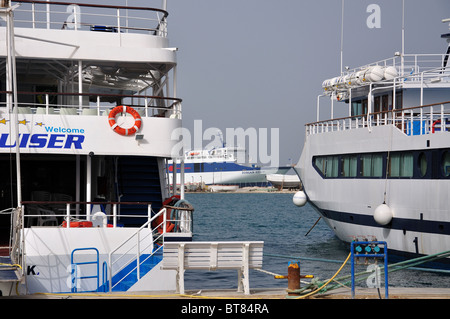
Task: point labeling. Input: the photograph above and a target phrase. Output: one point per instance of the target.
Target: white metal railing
(408, 65)
(146, 106)
(140, 246)
(419, 120)
(90, 17)
(423, 117)
(63, 213)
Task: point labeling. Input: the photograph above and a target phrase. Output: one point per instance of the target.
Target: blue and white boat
(223, 166)
(87, 107)
(382, 171)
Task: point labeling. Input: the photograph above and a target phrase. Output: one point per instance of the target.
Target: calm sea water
(274, 219)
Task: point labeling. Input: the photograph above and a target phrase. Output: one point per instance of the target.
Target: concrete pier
(263, 293)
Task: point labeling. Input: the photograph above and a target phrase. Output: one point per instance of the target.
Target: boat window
(399, 100)
(332, 166)
(349, 166)
(377, 104)
(372, 165)
(423, 164)
(401, 164)
(198, 167)
(359, 107)
(356, 108)
(446, 163)
(385, 103)
(320, 162)
(327, 165)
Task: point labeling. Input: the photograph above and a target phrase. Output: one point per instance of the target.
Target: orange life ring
(81, 224)
(124, 109)
(434, 124)
(160, 219)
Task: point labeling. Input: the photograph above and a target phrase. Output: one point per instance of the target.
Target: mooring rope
(318, 286)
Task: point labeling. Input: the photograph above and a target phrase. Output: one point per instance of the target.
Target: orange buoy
(120, 130)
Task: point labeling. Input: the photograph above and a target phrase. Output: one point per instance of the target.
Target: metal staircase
(11, 266)
(138, 181)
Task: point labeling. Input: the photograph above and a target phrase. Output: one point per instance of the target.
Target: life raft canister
(124, 109)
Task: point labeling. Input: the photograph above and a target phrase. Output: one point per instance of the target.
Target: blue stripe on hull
(214, 167)
(403, 224)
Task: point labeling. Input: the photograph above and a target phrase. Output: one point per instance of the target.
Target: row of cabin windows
(409, 164)
(381, 103)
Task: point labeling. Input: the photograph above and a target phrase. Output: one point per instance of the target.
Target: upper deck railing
(92, 104)
(409, 64)
(90, 17)
(417, 120)
(420, 71)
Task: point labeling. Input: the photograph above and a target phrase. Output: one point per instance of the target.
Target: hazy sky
(256, 64)
(261, 63)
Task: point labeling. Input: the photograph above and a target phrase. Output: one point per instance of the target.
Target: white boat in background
(87, 108)
(222, 188)
(223, 166)
(383, 171)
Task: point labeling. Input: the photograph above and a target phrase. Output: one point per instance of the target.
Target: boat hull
(420, 206)
(75, 262)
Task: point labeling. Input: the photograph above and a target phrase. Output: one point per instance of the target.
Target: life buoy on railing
(124, 109)
(77, 224)
(434, 123)
(160, 219)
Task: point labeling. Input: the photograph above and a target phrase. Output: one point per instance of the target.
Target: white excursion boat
(87, 108)
(383, 172)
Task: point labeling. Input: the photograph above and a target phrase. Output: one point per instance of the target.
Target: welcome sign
(78, 134)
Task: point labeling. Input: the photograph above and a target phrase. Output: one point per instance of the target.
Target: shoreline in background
(245, 190)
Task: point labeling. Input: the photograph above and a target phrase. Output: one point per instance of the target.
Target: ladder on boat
(11, 270)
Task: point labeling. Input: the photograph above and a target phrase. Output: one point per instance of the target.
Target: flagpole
(403, 36)
(12, 85)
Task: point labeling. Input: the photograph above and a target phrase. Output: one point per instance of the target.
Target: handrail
(97, 94)
(104, 6)
(376, 113)
(67, 215)
(138, 242)
(74, 273)
(136, 234)
(428, 120)
(410, 61)
(156, 237)
(151, 106)
(116, 21)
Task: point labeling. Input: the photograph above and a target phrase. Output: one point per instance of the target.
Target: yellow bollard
(293, 277)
